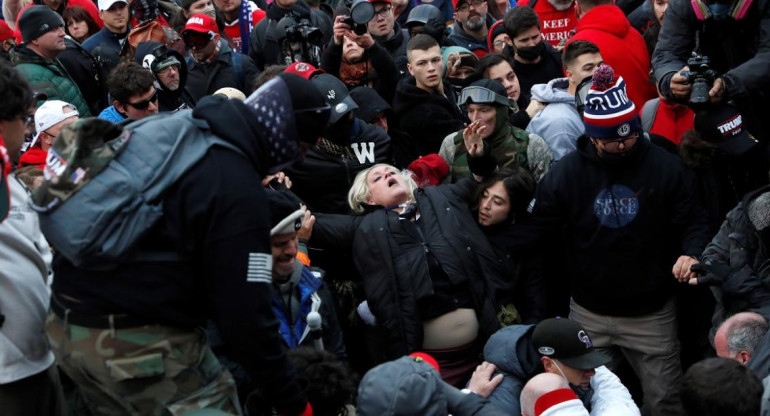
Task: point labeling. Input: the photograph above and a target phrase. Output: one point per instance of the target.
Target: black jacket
(395, 279)
(739, 51)
(387, 74)
(216, 228)
(106, 46)
(88, 74)
(626, 222)
(424, 119)
(322, 179)
(264, 48)
(396, 47)
(205, 79)
(540, 73)
(168, 100)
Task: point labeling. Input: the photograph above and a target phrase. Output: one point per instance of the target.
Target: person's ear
(120, 107)
(744, 357)
(409, 67)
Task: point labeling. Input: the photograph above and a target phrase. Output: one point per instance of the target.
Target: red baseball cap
(201, 23)
(5, 31)
(303, 69)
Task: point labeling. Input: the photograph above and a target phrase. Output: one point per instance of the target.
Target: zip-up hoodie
(559, 123)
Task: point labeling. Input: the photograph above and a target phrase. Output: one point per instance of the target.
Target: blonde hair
(359, 191)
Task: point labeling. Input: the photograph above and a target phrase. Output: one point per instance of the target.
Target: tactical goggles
(142, 105)
(195, 39)
(481, 95)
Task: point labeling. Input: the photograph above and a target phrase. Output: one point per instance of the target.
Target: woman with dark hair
(502, 199)
(498, 68)
(358, 60)
(78, 23)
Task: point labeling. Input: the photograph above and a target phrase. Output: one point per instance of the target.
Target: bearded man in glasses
(632, 226)
(133, 93)
(214, 65)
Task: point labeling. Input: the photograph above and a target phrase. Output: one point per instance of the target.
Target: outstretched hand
(472, 136)
(482, 382)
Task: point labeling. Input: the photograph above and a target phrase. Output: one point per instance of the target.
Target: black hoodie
(167, 100)
(216, 218)
(627, 223)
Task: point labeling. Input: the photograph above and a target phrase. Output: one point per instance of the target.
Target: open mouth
(391, 182)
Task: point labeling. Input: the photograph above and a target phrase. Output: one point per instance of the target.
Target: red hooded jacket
(555, 25)
(622, 47)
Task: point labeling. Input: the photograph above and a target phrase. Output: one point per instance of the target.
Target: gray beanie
(759, 211)
(36, 21)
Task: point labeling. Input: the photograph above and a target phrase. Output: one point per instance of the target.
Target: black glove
(435, 28)
(711, 274)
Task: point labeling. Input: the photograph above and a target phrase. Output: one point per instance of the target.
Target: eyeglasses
(142, 105)
(196, 40)
(481, 95)
(383, 12)
(467, 5)
(615, 143)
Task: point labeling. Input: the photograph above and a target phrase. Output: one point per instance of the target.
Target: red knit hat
(429, 169)
(608, 112)
(5, 31)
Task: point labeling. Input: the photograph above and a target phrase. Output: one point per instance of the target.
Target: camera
(701, 77)
(361, 12)
(299, 40)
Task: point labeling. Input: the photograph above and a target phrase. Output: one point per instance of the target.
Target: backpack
(105, 183)
(649, 111)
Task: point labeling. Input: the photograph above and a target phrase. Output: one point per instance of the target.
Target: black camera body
(357, 28)
(299, 40)
(701, 77)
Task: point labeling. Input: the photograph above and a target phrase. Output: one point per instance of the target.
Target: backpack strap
(649, 111)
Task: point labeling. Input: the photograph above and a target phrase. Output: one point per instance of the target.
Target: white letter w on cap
(260, 268)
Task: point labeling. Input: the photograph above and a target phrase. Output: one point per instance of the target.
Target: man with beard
(214, 65)
(170, 71)
(241, 16)
(557, 18)
(535, 61)
(471, 26)
(632, 214)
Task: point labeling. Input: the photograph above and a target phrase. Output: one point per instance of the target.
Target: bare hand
(472, 134)
(717, 91)
(340, 30)
(280, 176)
(453, 64)
(680, 84)
(534, 107)
(306, 231)
(364, 41)
(482, 382)
(681, 269)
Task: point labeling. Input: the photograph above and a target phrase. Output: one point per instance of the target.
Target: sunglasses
(196, 40)
(142, 105)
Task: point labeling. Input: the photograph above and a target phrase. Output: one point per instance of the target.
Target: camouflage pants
(149, 370)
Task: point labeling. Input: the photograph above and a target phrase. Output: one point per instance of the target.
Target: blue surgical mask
(719, 10)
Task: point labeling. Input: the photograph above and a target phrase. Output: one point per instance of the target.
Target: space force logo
(616, 206)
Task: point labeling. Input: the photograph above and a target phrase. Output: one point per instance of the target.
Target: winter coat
(34, 156)
(628, 221)
(167, 100)
(263, 41)
(559, 123)
(323, 177)
(25, 260)
(396, 46)
(206, 79)
(459, 37)
(511, 351)
(667, 119)
(395, 278)
(314, 296)
(218, 233)
(622, 47)
(107, 47)
(542, 72)
(112, 114)
(50, 77)
(233, 29)
(738, 245)
(425, 118)
(556, 26)
(738, 51)
(87, 73)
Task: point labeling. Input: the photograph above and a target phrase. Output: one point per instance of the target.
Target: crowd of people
(385, 207)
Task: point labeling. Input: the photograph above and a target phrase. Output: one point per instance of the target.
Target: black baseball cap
(722, 125)
(336, 95)
(565, 340)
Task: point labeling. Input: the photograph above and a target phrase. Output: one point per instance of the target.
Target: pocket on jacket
(136, 367)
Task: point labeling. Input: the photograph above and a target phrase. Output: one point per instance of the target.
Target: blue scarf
(246, 23)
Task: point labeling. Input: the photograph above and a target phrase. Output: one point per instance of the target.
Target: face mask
(531, 53)
(340, 132)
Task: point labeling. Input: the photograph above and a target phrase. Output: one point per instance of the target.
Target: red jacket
(88, 5)
(34, 156)
(555, 25)
(622, 47)
(672, 120)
